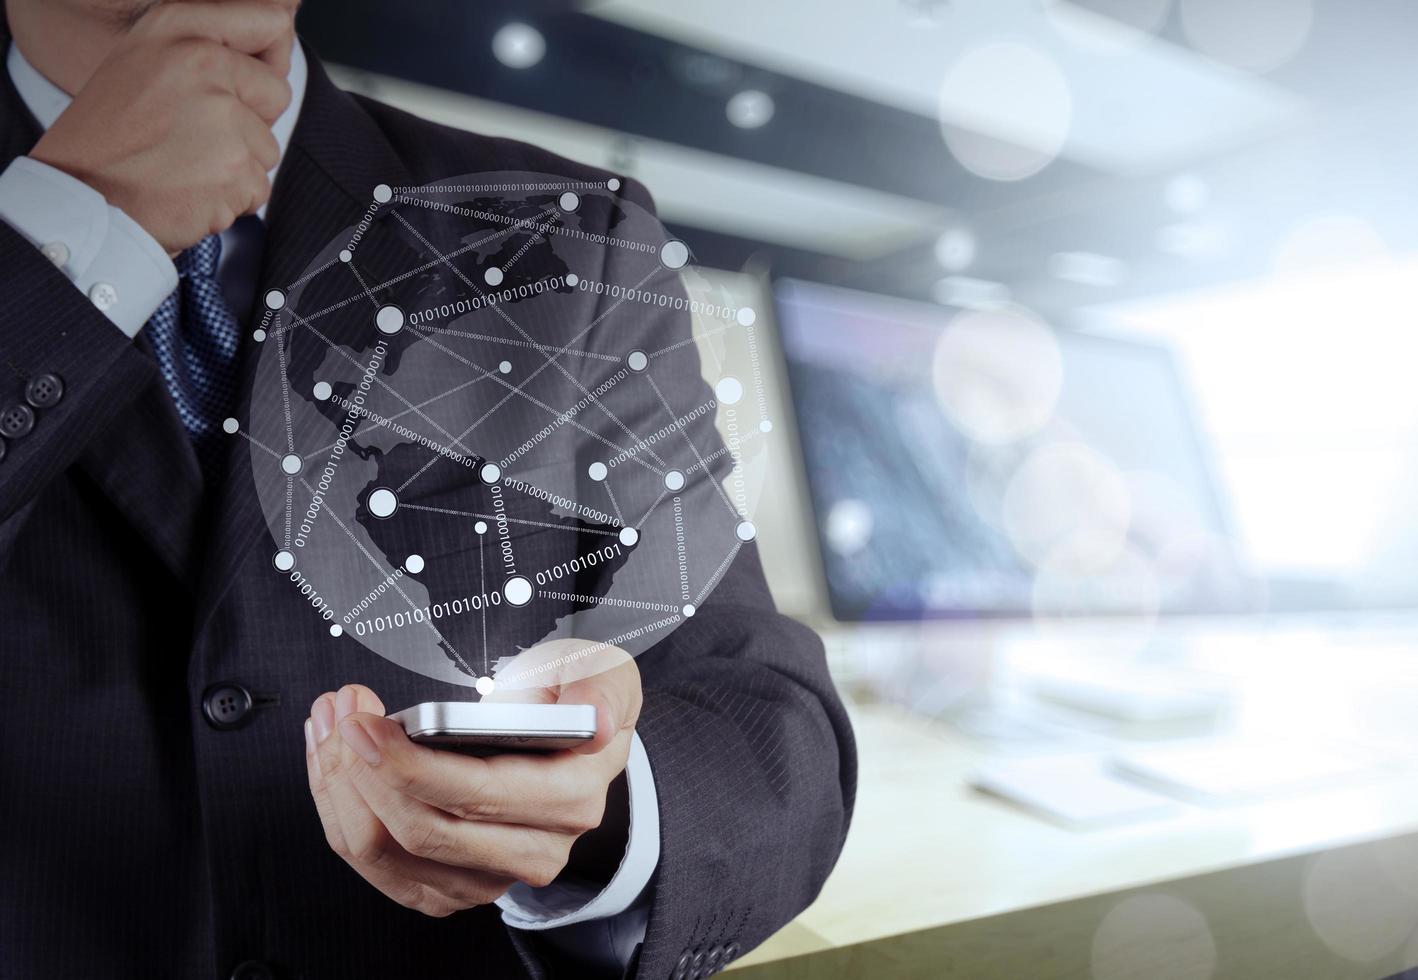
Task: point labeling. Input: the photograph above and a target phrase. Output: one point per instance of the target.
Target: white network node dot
(569, 201)
(275, 299)
(505, 367)
(389, 319)
(572, 279)
(628, 536)
(674, 481)
(493, 276)
(337, 630)
(613, 184)
(284, 561)
(413, 564)
(346, 255)
(597, 470)
(674, 254)
(728, 391)
(746, 316)
(765, 426)
(291, 464)
(518, 590)
(322, 390)
(490, 473)
(383, 193)
(480, 527)
(637, 360)
(258, 335)
(230, 426)
(383, 502)
(688, 610)
(746, 531)
(484, 686)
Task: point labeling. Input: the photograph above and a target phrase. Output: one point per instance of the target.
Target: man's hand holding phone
(441, 831)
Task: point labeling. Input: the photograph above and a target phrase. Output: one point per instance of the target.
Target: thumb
(615, 694)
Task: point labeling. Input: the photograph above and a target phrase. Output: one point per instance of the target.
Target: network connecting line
(367, 413)
(551, 360)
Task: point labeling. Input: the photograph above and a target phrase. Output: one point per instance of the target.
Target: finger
(266, 93)
(327, 711)
(329, 821)
(360, 833)
(366, 845)
(531, 854)
(558, 791)
(616, 695)
(257, 136)
(553, 672)
(265, 30)
(258, 189)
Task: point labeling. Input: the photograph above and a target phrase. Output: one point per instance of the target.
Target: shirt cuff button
(56, 252)
(103, 295)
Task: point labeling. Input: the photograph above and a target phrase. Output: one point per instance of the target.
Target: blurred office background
(1093, 340)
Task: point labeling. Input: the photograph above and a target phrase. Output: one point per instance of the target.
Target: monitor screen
(979, 463)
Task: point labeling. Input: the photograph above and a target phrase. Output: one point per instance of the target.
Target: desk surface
(938, 880)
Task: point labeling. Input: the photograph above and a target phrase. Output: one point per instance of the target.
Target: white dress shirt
(127, 275)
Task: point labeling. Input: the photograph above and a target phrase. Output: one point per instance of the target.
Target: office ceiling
(1153, 163)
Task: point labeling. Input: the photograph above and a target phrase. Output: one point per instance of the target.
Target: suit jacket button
(226, 706)
(44, 391)
(16, 421)
(252, 970)
(731, 951)
(682, 967)
(2, 448)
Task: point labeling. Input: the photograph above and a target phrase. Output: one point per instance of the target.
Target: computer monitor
(1100, 503)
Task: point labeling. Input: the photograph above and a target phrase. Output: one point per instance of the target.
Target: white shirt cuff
(106, 254)
(563, 904)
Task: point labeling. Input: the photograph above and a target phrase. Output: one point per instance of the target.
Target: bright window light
(1305, 386)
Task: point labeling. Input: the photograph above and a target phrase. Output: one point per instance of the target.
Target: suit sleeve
(752, 752)
(52, 337)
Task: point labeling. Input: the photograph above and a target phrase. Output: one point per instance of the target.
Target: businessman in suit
(158, 162)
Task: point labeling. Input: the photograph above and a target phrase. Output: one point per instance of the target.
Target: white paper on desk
(1075, 790)
(1233, 769)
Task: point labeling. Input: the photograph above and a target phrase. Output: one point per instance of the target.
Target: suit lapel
(336, 157)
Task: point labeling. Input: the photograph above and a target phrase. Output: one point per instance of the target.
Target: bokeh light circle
(1153, 935)
(1329, 240)
(1256, 35)
(1356, 905)
(997, 373)
(1005, 110)
(1068, 495)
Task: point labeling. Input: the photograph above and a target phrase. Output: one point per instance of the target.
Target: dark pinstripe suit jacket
(136, 840)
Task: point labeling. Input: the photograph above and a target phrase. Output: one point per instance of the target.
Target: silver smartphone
(486, 727)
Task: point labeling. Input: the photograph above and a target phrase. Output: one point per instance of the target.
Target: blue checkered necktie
(195, 336)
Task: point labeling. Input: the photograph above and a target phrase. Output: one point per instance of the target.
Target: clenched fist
(174, 127)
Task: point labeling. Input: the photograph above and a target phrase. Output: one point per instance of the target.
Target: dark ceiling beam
(609, 75)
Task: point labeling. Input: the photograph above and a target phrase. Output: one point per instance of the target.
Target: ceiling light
(750, 109)
(518, 45)
(1086, 268)
(955, 248)
(1186, 193)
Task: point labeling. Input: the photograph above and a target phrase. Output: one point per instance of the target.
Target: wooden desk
(937, 881)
